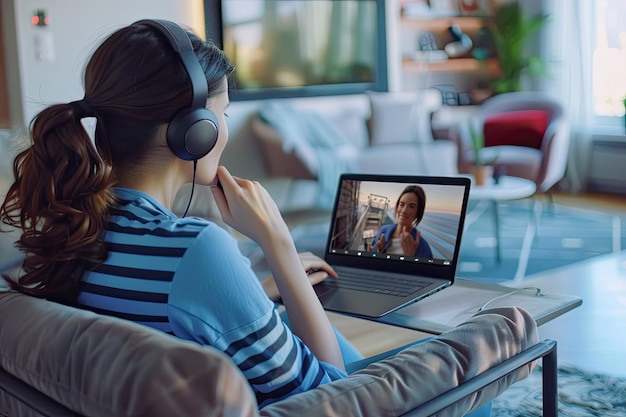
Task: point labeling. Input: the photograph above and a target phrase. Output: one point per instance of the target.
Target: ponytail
(60, 199)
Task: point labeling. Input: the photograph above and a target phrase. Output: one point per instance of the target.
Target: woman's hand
(316, 268)
(247, 207)
(409, 245)
(380, 245)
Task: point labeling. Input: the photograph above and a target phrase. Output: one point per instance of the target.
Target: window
(289, 48)
(609, 58)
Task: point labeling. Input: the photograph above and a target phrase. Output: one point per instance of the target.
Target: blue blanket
(319, 144)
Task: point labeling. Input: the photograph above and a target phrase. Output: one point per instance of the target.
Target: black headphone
(193, 131)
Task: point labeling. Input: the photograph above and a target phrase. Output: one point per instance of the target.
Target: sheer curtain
(568, 53)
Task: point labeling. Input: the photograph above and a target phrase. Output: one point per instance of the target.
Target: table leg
(496, 224)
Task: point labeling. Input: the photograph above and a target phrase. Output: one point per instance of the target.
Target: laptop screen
(410, 220)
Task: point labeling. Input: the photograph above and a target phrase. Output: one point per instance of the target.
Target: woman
(402, 237)
(99, 233)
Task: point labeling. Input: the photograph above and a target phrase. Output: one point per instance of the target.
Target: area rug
(533, 237)
(581, 394)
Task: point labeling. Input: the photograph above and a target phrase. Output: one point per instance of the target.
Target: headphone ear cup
(192, 133)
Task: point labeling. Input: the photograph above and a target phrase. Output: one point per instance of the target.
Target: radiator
(608, 164)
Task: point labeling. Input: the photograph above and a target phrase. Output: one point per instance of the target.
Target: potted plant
(510, 29)
(482, 169)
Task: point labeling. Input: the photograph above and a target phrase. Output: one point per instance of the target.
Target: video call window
(365, 207)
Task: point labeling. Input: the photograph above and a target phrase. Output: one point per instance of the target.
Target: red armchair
(526, 135)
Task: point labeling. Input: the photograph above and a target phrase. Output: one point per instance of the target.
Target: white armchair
(525, 132)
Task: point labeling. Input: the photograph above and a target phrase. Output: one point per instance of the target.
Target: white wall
(76, 27)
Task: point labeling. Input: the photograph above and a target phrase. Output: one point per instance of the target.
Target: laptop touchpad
(321, 289)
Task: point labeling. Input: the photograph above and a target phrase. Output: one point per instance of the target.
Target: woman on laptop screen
(403, 237)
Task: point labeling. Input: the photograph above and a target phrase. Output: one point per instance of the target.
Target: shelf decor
(444, 7)
(475, 7)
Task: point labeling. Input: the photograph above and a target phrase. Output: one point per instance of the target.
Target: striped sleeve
(217, 299)
(144, 249)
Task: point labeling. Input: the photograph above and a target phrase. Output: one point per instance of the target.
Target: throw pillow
(521, 128)
(402, 117)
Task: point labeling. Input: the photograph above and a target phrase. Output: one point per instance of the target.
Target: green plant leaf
(510, 31)
(478, 142)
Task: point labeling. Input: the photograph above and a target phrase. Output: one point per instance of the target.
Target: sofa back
(103, 366)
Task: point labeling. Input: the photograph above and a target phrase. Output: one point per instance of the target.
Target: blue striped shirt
(188, 278)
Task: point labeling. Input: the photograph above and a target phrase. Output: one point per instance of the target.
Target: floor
(591, 336)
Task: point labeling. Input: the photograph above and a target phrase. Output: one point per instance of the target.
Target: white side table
(507, 188)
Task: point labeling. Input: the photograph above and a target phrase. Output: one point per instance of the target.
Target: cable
(537, 290)
(193, 185)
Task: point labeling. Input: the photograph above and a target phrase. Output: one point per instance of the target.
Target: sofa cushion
(417, 159)
(521, 128)
(402, 117)
(103, 366)
(516, 161)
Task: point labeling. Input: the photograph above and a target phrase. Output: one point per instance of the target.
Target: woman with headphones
(98, 231)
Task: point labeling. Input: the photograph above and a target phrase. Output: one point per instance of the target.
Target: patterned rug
(581, 394)
(534, 237)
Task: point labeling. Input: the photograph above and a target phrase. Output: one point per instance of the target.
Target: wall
(76, 26)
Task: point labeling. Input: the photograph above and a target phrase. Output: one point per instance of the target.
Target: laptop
(376, 279)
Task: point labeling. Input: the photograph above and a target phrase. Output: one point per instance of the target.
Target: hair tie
(85, 109)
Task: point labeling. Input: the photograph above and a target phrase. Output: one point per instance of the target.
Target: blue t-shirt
(423, 249)
(187, 277)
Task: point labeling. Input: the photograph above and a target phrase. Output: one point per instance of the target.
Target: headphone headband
(193, 131)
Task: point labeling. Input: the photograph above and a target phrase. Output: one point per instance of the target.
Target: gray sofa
(92, 365)
(297, 147)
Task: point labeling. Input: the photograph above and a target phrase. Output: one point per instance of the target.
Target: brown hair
(62, 196)
(421, 201)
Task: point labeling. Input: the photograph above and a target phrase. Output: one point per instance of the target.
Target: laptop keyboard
(375, 283)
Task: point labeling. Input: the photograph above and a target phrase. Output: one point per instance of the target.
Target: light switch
(44, 47)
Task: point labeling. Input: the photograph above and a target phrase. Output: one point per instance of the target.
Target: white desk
(506, 189)
(456, 304)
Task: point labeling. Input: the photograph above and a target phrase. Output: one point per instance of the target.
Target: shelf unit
(465, 73)
(489, 65)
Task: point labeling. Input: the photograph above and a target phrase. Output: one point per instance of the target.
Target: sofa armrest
(398, 385)
(545, 350)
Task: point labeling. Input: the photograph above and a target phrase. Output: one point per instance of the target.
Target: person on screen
(403, 237)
